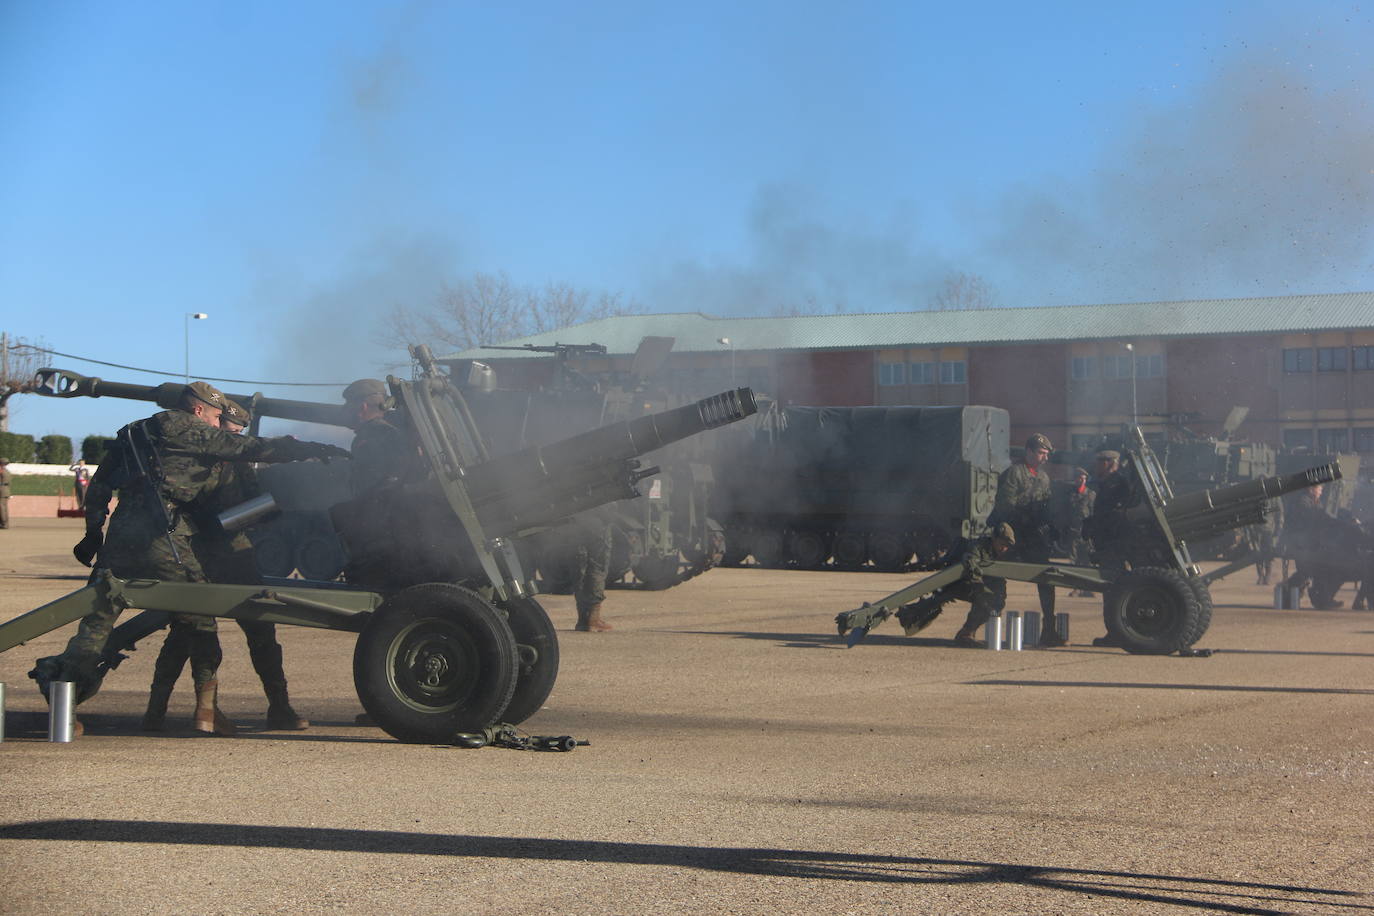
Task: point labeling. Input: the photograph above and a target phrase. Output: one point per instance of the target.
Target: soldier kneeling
(986, 594)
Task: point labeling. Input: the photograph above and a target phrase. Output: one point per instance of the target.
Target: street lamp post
(187, 322)
(725, 342)
(1135, 417)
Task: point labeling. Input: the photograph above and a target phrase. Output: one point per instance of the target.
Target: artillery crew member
(1075, 505)
(159, 467)
(1023, 501)
(381, 454)
(227, 558)
(986, 594)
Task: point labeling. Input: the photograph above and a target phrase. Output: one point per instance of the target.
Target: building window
(1297, 438)
(1082, 442)
(1297, 360)
(757, 378)
(954, 372)
(1082, 367)
(921, 373)
(1151, 366)
(1364, 439)
(1333, 440)
(1363, 358)
(891, 373)
(1331, 359)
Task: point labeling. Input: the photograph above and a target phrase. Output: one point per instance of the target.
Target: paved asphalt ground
(741, 761)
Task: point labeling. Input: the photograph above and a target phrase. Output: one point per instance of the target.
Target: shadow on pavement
(1196, 893)
(1134, 685)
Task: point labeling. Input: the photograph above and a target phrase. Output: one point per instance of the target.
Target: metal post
(186, 322)
(1014, 631)
(1135, 414)
(1061, 625)
(60, 706)
(992, 633)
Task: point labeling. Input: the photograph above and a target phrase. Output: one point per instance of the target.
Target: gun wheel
(435, 660)
(537, 644)
(1154, 611)
(808, 549)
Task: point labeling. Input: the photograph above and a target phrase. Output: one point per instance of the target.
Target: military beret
(204, 391)
(236, 413)
(365, 388)
(1079, 472)
(1039, 441)
(1108, 454)
(4, 461)
(1003, 532)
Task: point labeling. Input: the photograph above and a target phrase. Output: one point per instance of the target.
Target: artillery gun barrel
(61, 383)
(1207, 504)
(542, 484)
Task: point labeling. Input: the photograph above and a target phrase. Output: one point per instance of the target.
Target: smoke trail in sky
(1261, 186)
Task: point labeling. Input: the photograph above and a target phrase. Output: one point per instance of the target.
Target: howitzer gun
(1155, 601)
(450, 637)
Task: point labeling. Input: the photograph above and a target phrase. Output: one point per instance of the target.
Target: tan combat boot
(208, 717)
(589, 621)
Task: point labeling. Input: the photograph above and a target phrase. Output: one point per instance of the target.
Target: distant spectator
(82, 479)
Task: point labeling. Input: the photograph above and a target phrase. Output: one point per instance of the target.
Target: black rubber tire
(273, 554)
(463, 642)
(850, 550)
(1153, 611)
(738, 545)
(320, 557)
(890, 552)
(657, 573)
(537, 643)
(808, 549)
(769, 549)
(1204, 603)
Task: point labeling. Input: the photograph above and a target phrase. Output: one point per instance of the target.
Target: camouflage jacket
(979, 556)
(1023, 500)
(5, 478)
(180, 453)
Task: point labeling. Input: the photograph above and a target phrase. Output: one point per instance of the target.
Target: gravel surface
(741, 761)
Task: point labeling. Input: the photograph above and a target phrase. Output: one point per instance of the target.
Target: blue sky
(294, 170)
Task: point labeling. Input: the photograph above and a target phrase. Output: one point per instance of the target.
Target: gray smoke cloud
(1261, 186)
(802, 257)
(1259, 183)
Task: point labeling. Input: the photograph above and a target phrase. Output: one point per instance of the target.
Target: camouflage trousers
(154, 560)
(986, 598)
(263, 649)
(593, 560)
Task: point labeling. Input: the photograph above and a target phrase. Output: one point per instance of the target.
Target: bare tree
(19, 362)
(962, 291)
(488, 308)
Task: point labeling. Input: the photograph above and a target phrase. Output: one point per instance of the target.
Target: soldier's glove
(89, 546)
(296, 450)
(326, 452)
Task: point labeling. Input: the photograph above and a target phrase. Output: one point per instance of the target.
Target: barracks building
(1303, 366)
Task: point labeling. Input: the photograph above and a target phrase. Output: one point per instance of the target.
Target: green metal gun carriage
(450, 636)
(1160, 604)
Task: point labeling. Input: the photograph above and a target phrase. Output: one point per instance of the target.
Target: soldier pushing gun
(158, 468)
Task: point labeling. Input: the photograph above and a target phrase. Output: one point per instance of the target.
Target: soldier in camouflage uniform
(159, 466)
(381, 453)
(1023, 501)
(593, 557)
(226, 557)
(987, 595)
